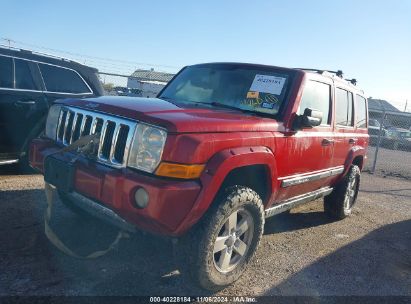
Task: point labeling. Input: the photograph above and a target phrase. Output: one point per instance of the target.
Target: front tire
(227, 238)
(339, 203)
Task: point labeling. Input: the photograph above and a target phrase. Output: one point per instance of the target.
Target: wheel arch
(227, 168)
(356, 156)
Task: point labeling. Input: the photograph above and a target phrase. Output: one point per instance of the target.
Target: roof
(381, 105)
(151, 75)
(42, 57)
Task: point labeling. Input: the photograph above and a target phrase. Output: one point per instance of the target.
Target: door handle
(352, 141)
(24, 102)
(327, 141)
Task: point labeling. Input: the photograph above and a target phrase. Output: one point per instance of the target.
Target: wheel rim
(233, 241)
(350, 195)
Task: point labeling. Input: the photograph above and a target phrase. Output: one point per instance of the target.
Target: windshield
(242, 87)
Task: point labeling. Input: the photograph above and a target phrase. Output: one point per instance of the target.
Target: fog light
(141, 198)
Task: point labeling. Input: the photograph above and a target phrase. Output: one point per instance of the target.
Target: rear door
(62, 82)
(345, 135)
(304, 157)
(22, 102)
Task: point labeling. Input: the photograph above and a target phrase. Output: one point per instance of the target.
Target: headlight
(147, 148)
(52, 121)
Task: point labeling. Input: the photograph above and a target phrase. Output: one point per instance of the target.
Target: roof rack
(352, 81)
(338, 73)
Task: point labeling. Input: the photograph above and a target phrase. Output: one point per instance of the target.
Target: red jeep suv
(222, 147)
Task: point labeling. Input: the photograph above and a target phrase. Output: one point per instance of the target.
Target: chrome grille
(116, 133)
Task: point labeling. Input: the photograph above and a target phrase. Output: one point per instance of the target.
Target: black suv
(29, 83)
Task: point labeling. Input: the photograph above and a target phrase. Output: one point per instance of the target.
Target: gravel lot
(395, 163)
(302, 253)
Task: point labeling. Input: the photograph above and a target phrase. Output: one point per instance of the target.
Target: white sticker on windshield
(268, 84)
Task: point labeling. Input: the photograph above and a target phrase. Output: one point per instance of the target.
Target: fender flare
(352, 154)
(217, 169)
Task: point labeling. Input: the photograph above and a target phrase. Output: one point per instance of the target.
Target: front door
(22, 104)
(305, 156)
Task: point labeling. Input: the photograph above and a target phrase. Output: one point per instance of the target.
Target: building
(377, 108)
(148, 83)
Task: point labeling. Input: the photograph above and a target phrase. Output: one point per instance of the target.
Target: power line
(86, 56)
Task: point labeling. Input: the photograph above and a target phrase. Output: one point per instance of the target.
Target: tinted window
(361, 111)
(343, 108)
(24, 80)
(6, 72)
(316, 96)
(62, 80)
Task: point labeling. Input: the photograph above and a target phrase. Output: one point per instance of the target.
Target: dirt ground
(302, 253)
(390, 162)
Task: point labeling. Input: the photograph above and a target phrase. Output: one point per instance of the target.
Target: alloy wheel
(233, 240)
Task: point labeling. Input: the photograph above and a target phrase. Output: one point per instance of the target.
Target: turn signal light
(179, 170)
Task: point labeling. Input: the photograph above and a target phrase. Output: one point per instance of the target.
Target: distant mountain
(381, 105)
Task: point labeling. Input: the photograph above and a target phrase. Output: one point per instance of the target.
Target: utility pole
(8, 41)
(406, 104)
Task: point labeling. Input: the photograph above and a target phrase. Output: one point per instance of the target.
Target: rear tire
(219, 249)
(339, 203)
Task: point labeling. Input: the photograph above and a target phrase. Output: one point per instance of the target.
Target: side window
(6, 72)
(24, 80)
(343, 108)
(316, 96)
(62, 80)
(361, 111)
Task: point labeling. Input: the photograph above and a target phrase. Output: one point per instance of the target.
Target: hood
(176, 118)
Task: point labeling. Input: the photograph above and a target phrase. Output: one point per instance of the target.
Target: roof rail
(37, 53)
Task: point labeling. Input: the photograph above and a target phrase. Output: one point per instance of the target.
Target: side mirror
(310, 118)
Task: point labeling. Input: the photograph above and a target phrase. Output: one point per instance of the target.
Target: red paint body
(221, 139)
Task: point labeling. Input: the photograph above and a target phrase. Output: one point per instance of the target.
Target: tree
(108, 87)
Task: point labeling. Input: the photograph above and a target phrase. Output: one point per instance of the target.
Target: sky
(368, 40)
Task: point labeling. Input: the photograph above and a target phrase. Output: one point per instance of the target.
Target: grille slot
(68, 127)
(87, 125)
(107, 139)
(120, 144)
(76, 127)
(62, 123)
(115, 133)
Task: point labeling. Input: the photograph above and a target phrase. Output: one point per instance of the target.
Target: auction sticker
(268, 84)
(252, 95)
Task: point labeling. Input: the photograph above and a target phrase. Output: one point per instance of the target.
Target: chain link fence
(389, 153)
(148, 84)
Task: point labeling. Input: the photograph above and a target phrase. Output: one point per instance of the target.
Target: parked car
(374, 129)
(223, 147)
(29, 84)
(397, 139)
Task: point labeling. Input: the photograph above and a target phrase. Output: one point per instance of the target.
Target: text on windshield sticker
(268, 84)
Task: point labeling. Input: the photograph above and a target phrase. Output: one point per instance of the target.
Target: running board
(8, 161)
(296, 201)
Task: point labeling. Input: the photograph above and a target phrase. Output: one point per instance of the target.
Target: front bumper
(95, 184)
